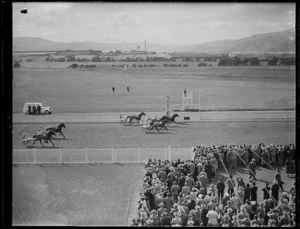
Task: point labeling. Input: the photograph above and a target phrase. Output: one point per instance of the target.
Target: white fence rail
(183, 116)
(113, 155)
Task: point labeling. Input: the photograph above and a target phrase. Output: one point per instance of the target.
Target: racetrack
(107, 135)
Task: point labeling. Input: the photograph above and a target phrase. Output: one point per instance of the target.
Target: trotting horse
(160, 124)
(138, 118)
(170, 119)
(57, 129)
(46, 137)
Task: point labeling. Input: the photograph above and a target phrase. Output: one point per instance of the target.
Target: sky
(162, 23)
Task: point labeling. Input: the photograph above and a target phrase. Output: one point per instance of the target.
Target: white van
(44, 110)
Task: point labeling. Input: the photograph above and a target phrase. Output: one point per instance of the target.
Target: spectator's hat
(164, 213)
(190, 222)
(284, 194)
(149, 221)
(229, 209)
(161, 204)
(200, 195)
(226, 194)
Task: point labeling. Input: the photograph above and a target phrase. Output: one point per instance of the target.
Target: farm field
(182, 135)
(83, 91)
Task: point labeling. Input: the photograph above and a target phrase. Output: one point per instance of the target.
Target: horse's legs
(41, 142)
(62, 134)
(156, 128)
(51, 142)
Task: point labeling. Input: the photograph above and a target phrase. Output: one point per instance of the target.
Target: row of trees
(282, 61)
(237, 61)
(254, 61)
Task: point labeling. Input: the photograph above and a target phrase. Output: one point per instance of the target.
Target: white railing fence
(112, 155)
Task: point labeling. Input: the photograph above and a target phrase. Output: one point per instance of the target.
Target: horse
(57, 129)
(170, 119)
(46, 137)
(138, 118)
(160, 124)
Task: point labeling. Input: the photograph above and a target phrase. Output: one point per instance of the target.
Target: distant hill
(40, 44)
(261, 43)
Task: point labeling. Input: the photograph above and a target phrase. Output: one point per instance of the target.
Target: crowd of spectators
(182, 193)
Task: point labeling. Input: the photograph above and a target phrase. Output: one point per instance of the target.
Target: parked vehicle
(36, 108)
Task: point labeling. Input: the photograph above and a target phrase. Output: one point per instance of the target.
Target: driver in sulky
(41, 131)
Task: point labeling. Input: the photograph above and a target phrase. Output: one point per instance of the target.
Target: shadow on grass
(175, 127)
(45, 147)
(61, 139)
(159, 132)
(182, 123)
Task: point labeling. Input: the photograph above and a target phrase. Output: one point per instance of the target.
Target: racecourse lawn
(83, 91)
(74, 195)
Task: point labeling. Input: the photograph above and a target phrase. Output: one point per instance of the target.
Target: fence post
(139, 155)
(112, 155)
(34, 156)
(60, 157)
(166, 155)
(86, 155)
(169, 153)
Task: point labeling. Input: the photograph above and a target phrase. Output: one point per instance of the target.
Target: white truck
(30, 107)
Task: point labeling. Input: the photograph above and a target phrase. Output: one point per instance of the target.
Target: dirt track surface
(183, 135)
(74, 195)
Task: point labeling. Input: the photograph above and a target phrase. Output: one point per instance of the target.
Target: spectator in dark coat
(253, 191)
(278, 179)
(203, 215)
(151, 199)
(266, 191)
(275, 191)
(165, 219)
(209, 169)
(181, 181)
(221, 188)
(247, 193)
(252, 169)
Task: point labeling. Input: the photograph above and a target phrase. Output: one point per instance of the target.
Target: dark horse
(46, 137)
(57, 129)
(160, 124)
(170, 119)
(138, 118)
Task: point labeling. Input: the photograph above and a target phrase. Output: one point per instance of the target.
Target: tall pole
(167, 105)
(199, 105)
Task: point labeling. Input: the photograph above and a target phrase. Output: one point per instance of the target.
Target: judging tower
(187, 99)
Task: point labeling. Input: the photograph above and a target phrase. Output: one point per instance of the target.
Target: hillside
(260, 43)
